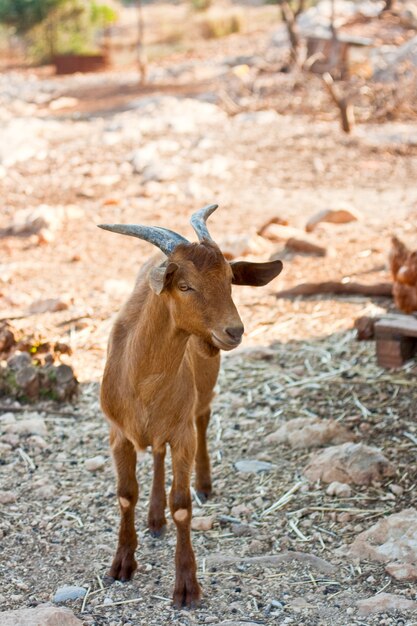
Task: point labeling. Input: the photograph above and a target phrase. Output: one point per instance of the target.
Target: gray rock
(30, 426)
(36, 441)
(159, 173)
(32, 221)
(49, 305)
(7, 497)
(402, 571)
(349, 463)
(401, 63)
(310, 432)
(7, 418)
(27, 379)
(95, 463)
(19, 360)
(45, 492)
(340, 490)
(397, 490)
(393, 540)
(252, 465)
(42, 615)
(64, 374)
(243, 530)
(69, 592)
(383, 602)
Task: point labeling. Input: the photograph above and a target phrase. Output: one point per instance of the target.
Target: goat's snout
(235, 333)
(228, 338)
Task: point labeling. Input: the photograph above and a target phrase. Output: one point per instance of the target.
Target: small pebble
(95, 463)
(239, 509)
(396, 489)
(202, 523)
(340, 490)
(253, 466)
(36, 441)
(46, 492)
(7, 418)
(7, 497)
(69, 592)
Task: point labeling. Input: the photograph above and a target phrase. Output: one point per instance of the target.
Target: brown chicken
(403, 265)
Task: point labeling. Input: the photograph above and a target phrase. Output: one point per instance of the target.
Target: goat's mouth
(222, 344)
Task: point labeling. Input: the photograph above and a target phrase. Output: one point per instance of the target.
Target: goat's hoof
(187, 594)
(157, 532)
(157, 526)
(123, 565)
(203, 494)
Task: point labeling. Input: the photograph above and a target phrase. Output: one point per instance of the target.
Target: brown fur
(403, 265)
(162, 365)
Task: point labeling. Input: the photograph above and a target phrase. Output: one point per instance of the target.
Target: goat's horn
(198, 221)
(166, 240)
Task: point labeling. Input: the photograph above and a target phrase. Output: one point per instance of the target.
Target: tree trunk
(288, 17)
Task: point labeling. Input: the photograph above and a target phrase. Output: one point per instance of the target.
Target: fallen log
(338, 288)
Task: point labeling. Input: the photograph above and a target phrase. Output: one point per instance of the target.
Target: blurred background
(299, 118)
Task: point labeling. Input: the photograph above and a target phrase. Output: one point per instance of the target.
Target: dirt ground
(256, 165)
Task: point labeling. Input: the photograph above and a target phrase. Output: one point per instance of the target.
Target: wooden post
(396, 340)
(142, 60)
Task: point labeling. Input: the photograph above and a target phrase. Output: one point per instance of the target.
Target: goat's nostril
(235, 332)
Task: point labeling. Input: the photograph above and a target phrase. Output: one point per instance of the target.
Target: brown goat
(162, 365)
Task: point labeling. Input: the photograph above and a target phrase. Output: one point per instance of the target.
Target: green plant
(201, 5)
(57, 26)
(71, 28)
(25, 14)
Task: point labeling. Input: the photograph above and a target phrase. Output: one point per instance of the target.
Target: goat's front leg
(202, 461)
(124, 455)
(187, 590)
(156, 516)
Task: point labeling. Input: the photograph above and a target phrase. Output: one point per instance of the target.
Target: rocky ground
(276, 548)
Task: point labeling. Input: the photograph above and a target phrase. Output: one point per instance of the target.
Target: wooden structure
(396, 340)
(72, 63)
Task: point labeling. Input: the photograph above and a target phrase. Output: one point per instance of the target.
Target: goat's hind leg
(156, 516)
(124, 456)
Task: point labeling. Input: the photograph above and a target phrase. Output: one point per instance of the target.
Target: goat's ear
(160, 277)
(255, 274)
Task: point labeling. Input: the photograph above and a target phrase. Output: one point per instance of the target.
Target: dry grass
(217, 25)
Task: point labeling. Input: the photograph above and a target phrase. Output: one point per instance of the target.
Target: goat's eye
(184, 287)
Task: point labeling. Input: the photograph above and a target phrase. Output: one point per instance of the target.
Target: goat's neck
(159, 345)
